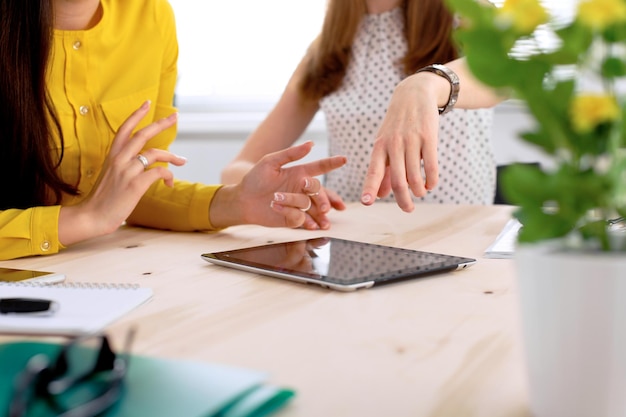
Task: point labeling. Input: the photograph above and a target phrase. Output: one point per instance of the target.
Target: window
(238, 55)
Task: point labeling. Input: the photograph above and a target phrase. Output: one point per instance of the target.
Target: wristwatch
(453, 79)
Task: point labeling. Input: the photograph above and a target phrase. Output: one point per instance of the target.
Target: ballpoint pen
(26, 306)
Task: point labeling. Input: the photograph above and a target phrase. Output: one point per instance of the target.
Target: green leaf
(615, 33)
(622, 129)
(519, 185)
(596, 230)
(541, 139)
(540, 226)
(613, 68)
(577, 40)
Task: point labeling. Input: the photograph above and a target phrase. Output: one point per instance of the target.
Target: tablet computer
(338, 264)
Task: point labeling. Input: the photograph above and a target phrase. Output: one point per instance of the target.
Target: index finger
(126, 129)
(374, 176)
(141, 137)
(322, 166)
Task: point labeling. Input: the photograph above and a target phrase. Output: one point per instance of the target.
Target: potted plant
(571, 256)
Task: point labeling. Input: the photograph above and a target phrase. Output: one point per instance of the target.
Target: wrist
(225, 208)
(448, 86)
(77, 224)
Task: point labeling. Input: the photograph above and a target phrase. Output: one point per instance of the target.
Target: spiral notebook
(82, 308)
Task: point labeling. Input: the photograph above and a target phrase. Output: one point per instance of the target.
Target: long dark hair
(428, 28)
(28, 157)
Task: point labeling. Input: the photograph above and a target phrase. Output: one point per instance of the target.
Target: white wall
(210, 141)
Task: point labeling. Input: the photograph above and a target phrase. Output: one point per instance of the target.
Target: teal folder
(158, 387)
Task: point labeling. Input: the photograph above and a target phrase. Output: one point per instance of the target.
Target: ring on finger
(144, 161)
(307, 207)
(314, 194)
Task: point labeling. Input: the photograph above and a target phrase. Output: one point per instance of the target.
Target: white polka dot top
(355, 111)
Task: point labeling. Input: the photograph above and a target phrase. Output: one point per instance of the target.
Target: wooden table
(446, 345)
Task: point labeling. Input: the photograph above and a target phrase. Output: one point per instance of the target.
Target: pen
(26, 305)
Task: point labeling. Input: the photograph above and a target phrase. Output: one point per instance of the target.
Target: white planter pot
(573, 310)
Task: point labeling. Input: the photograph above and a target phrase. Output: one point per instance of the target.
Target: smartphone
(26, 275)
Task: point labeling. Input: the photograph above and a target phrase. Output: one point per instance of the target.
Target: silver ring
(308, 207)
(144, 161)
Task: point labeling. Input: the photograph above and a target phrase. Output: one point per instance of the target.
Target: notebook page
(504, 245)
(82, 308)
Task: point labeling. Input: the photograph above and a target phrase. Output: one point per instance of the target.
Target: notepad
(83, 308)
(504, 245)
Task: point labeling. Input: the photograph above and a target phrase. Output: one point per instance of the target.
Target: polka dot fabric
(467, 168)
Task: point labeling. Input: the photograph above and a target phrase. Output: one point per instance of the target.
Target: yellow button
(45, 246)
(77, 45)
(84, 110)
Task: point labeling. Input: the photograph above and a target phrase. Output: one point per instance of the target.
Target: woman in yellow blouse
(86, 118)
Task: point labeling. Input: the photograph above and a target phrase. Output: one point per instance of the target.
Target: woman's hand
(122, 181)
(273, 195)
(407, 137)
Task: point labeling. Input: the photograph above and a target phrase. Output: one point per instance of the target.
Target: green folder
(158, 387)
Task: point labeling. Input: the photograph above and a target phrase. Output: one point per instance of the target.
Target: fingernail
(366, 198)
(324, 208)
(311, 225)
(181, 157)
(146, 104)
(307, 184)
(279, 197)
(275, 205)
(173, 116)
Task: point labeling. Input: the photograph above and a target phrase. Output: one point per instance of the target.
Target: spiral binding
(70, 285)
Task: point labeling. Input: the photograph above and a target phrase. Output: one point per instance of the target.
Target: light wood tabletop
(445, 345)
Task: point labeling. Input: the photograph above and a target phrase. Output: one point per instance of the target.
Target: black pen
(26, 306)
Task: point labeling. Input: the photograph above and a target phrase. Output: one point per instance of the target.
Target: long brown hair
(428, 28)
(28, 161)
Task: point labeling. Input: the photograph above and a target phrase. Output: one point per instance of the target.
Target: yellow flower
(589, 110)
(525, 15)
(601, 13)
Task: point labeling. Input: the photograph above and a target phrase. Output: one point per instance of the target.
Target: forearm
(282, 127)
(473, 93)
(432, 87)
(235, 171)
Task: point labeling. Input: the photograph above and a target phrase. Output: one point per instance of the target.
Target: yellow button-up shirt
(97, 78)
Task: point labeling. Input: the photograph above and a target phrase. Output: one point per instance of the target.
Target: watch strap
(453, 79)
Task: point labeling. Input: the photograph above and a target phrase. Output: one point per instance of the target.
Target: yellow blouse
(97, 78)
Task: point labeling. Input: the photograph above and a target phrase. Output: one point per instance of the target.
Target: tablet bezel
(224, 258)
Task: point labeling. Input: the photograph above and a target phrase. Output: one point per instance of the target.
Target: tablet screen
(338, 261)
